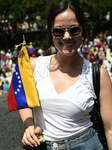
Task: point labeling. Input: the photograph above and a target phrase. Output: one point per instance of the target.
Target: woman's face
(68, 40)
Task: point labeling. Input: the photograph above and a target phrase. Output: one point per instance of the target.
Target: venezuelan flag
(31, 50)
(2, 55)
(22, 92)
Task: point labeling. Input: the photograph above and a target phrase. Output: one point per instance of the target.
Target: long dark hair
(58, 8)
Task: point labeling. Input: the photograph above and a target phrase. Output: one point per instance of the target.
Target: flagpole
(40, 137)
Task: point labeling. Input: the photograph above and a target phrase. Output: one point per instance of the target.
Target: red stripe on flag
(12, 105)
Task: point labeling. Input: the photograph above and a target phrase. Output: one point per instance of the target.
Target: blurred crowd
(24, 25)
(98, 50)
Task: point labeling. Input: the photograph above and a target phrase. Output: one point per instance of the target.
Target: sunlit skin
(66, 65)
(67, 45)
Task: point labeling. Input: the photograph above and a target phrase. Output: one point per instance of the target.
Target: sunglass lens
(75, 31)
(58, 32)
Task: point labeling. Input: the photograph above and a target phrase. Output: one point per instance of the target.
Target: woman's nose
(66, 35)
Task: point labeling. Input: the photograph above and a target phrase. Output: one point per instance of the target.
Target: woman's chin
(68, 52)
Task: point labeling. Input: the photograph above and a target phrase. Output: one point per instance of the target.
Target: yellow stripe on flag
(2, 52)
(28, 78)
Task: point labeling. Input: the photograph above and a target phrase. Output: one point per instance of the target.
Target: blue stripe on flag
(2, 55)
(19, 89)
(31, 49)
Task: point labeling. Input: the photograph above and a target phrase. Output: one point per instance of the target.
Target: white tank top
(66, 114)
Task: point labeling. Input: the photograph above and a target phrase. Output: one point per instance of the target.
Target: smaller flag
(2, 55)
(22, 92)
(31, 50)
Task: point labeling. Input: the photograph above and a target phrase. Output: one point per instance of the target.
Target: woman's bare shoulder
(105, 78)
(33, 63)
(104, 72)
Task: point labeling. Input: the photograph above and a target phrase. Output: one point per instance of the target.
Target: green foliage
(97, 9)
(33, 8)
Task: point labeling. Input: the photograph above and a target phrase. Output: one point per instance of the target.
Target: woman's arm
(106, 104)
(26, 117)
(31, 132)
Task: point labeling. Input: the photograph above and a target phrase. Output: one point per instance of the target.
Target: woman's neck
(65, 62)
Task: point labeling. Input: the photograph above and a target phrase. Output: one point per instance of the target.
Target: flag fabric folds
(22, 92)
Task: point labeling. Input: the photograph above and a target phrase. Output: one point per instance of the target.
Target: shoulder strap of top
(95, 114)
(96, 79)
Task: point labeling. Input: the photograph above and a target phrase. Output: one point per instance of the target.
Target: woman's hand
(30, 137)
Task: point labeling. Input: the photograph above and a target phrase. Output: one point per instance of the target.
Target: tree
(16, 10)
(97, 10)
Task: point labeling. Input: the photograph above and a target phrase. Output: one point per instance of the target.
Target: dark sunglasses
(73, 30)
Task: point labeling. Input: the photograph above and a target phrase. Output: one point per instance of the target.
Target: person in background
(40, 51)
(15, 55)
(6, 86)
(1, 87)
(9, 61)
(110, 58)
(65, 88)
(109, 67)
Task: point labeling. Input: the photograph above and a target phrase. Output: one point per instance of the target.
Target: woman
(65, 88)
